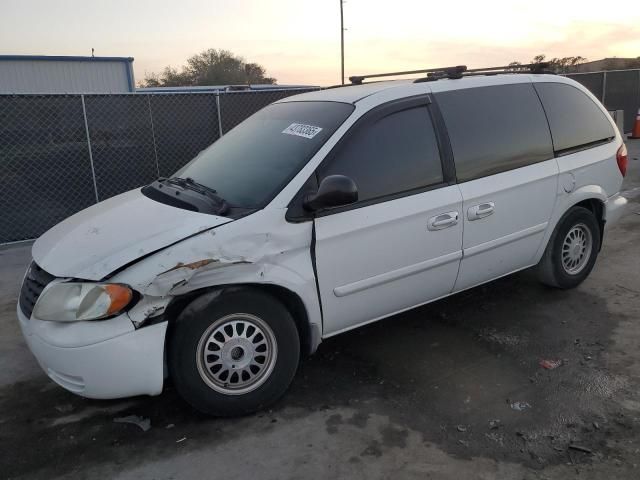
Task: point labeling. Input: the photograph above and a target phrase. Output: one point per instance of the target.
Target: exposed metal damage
(170, 281)
(222, 257)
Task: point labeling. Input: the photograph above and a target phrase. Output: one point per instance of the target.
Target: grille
(32, 287)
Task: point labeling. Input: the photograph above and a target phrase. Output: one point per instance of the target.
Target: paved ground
(427, 394)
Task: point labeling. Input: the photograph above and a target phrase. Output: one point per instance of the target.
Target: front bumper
(96, 364)
(615, 207)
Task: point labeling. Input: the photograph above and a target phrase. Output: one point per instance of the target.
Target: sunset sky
(299, 41)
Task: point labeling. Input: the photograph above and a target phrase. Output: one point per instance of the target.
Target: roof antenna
(92, 50)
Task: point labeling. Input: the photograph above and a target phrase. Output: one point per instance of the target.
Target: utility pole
(341, 44)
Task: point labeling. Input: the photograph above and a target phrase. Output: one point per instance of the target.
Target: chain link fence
(62, 153)
(617, 90)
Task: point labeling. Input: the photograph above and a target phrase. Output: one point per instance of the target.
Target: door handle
(480, 211)
(443, 220)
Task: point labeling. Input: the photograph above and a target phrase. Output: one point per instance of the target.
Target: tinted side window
(397, 153)
(494, 129)
(574, 119)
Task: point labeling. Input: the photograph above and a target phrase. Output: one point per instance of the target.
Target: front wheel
(232, 353)
(572, 250)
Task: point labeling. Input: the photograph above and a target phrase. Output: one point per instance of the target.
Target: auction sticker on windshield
(301, 130)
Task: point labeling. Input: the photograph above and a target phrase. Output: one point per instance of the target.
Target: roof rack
(457, 72)
(541, 67)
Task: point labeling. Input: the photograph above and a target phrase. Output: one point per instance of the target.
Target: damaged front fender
(262, 248)
(171, 281)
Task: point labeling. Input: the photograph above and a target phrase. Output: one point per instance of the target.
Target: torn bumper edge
(123, 366)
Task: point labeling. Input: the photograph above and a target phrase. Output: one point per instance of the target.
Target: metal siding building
(63, 74)
(259, 87)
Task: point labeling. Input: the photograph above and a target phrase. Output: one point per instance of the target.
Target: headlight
(70, 302)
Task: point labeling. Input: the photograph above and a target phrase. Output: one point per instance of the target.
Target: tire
(214, 334)
(563, 265)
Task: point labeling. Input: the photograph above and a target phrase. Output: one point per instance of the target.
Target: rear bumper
(123, 366)
(614, 208)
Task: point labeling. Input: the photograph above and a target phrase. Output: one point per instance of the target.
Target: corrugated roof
(67, 58)
(36, 74)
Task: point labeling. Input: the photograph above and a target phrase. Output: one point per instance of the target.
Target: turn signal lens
(103, 301)
(120, 297)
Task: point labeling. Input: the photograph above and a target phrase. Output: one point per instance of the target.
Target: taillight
(622, 159)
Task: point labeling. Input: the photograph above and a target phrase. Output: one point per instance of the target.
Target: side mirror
(334, 191)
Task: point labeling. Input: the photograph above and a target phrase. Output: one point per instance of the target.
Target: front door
(400, 245)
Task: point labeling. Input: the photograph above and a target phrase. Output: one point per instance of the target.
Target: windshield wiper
(190, 184)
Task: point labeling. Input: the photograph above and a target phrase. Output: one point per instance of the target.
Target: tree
(560, 65)
(515, 67)
(538, 59)
(210, 67)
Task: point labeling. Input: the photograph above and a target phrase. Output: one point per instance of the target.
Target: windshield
(250, 164)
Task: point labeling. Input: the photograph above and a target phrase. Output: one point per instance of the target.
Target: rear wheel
(232, 353)
(572, 250)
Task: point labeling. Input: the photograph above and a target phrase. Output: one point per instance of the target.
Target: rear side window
(395, 154)
(575, 120)
(494, 129)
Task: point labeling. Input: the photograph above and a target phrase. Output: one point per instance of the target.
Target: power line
(341, 43)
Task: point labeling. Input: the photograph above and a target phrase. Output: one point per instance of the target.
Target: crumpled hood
(102, 238)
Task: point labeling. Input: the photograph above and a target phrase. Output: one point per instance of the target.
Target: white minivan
(320, 213)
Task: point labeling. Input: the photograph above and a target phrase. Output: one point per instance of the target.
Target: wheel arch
(597, 207)
(591, 197)
(309, 334)
(552, 268)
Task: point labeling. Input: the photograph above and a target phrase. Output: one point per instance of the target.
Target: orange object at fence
(635, 133)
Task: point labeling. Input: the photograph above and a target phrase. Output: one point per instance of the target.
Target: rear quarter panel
(594, 166)
(588, 174)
